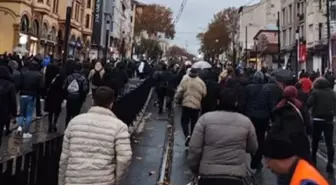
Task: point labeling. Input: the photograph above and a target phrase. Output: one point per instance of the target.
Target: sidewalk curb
(167, 156)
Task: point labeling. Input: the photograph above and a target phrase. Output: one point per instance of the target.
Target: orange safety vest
(305, 171)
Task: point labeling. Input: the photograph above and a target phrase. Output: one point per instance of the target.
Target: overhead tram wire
(175, 21)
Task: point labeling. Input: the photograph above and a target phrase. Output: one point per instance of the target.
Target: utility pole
(279, 41)
(246, 46)
(67, 30)
(328, 36)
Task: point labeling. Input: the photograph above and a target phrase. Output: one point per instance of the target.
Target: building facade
(292, 24)
(119, 16)
(39, 26)
(33, 22)
(262, 15)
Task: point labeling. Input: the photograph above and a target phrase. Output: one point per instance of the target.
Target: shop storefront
(79, 47)
(28, 38)
(48, 40)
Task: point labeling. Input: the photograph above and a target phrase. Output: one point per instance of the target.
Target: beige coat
(219, 144)
(96, 149)
(190, 92)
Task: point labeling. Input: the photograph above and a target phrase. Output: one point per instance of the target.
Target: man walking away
(99, 142)
(8, 106)
(31, 83)
(322, 100)
(76, 88)
(190, 93)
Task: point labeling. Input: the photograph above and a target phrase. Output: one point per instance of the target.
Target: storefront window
(24, 24)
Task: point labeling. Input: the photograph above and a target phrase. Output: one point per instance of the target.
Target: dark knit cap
(278, 148)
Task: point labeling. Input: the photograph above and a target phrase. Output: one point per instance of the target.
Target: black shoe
(187, 141)
(330, 168)
(54, 129)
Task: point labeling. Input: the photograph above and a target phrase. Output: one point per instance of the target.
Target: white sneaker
(27, 136)
(19, 131)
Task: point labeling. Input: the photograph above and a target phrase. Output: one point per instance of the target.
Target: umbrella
(20, 50)
(201, 65)
(283, 75)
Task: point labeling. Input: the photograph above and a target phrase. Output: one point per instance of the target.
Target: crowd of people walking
(228, 113)
(25, 81)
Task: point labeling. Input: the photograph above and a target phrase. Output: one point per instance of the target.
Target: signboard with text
(97, 22)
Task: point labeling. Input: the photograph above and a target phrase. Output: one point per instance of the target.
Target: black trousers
(327, 129)
(161, 93)
(189, 116)
(220, 181)
(73, 108)
(260, 126)
(38, 105)
(4, 122)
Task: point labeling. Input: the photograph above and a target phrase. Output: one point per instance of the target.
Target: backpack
(96, 78)
(73, 89)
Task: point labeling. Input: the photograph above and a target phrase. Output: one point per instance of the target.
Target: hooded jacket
(322, 100)
(256, 105)
(8, 103)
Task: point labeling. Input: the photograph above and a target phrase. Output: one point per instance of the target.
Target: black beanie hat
(278, 148)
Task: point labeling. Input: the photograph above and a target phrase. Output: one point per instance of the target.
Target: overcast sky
(195, 18)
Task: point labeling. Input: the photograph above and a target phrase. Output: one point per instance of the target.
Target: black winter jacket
(322, 100)
(8, 105)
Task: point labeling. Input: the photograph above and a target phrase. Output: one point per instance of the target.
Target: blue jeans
(27, 105)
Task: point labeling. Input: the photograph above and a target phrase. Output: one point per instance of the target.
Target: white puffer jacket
(96, 149)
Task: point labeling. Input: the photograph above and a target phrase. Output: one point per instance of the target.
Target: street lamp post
(67, 30)
(246, 59)
(297, 38)
(107, 35)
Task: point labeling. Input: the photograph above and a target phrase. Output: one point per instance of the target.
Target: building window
(40, 1)
(48, 2)
(284, 38)
(333, 12)
(45, 30)
(87, 21)
(290, 35)
(24, 25)
(298, 8)
(35, 28)
(76, 12)
(55, 6)
(320, 31)
(88, 3)
(283, 17)
(320, 4)
(131, 18)
(81, 15)
(302, 31)
(290, 9)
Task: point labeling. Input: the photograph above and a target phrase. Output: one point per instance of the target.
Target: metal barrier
(40, 165)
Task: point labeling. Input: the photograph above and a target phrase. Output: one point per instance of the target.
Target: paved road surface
(147, 146)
